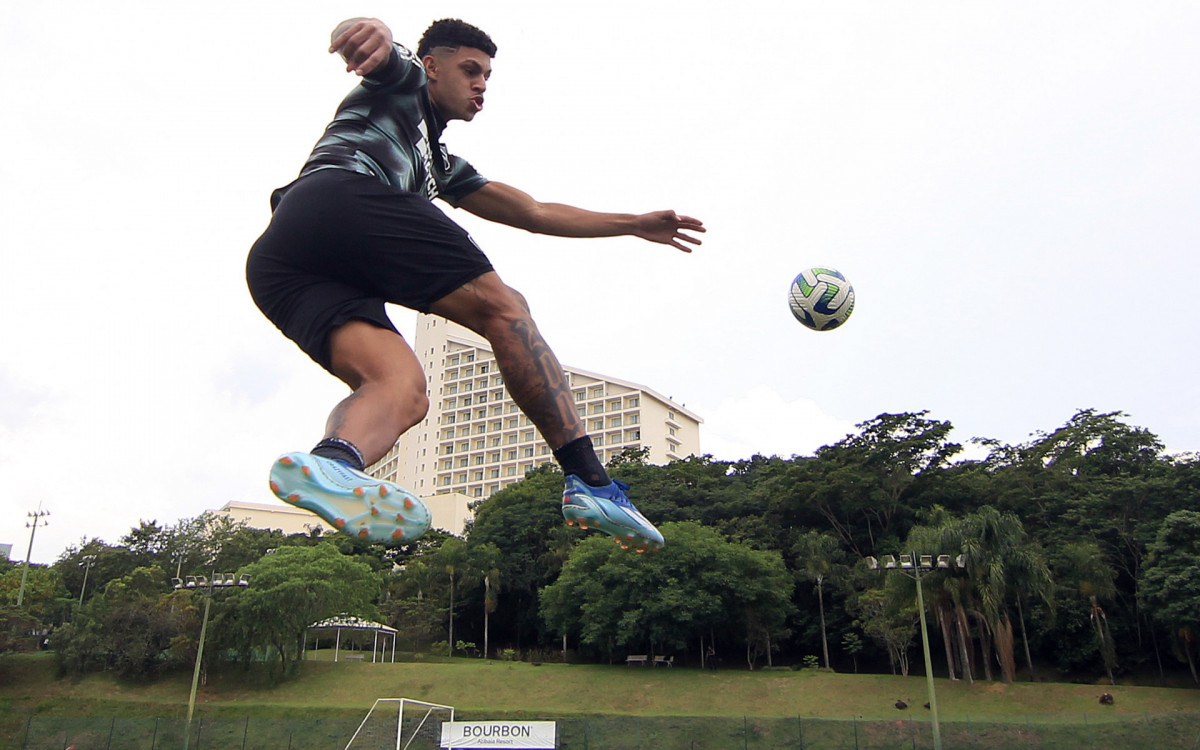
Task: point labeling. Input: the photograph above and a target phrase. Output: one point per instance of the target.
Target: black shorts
(341, 244)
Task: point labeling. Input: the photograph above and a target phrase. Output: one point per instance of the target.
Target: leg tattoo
(537, 383)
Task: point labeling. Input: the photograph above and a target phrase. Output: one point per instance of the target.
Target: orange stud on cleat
(307, 471)
(339, 522)
(359, 491)
(408, 503)
(640, 551)
(294, 496)
(398, 534)
(570, 523)
(616, 541)
(399, 518)
(274, 487)
(383, 490)
(363, 533)
(374, 510)
(286, 461)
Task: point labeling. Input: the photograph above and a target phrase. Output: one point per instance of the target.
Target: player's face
(457, 80)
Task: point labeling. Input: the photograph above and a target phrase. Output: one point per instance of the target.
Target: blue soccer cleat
(350, 501)
(609, 510)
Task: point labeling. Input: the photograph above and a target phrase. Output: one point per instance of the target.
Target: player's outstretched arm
(364, 43)
(505, 204)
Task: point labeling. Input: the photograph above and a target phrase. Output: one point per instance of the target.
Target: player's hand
(364, 43)
(668, 228)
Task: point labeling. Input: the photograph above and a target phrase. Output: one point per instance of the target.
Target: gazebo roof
(350, 622)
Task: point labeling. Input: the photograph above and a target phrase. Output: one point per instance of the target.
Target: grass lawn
(513, 689)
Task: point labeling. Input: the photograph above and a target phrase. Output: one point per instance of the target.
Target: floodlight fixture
(906, 562)
(872, 563)
(244, 580)
(177, 583)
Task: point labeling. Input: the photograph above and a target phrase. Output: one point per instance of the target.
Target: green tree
(1171, 586)
(290, 590)
(135, 628)
(820, 558)
(1083, 571)
(698, 584)
(859, 484)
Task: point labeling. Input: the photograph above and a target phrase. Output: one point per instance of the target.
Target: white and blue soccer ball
(821, 298)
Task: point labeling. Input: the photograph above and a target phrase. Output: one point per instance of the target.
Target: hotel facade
(475, 440)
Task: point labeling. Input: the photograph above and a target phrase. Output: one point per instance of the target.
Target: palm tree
(1000, 563)
(486, 558)
(452, 558)
(1084, 570)
(819, 556)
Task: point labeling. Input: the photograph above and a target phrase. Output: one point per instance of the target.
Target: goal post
(401, 724)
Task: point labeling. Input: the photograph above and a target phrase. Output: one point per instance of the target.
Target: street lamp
(88, 562)
(912, 565)
(218, 580)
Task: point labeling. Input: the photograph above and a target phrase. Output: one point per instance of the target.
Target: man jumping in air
(358, 229)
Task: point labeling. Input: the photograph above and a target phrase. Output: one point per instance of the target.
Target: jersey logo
(431, 188)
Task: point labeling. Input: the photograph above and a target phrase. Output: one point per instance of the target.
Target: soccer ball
(821, 298)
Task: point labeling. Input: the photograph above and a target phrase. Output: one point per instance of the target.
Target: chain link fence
(1175, 731)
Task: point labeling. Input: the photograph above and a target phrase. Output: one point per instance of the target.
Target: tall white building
(475, 440)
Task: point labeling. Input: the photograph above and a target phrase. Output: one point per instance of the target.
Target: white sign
(530, 735)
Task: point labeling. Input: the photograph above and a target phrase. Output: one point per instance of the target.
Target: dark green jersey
(388, 128)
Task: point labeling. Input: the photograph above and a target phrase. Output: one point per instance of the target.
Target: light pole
(218, 580)
(37, 517)
(913, 564)
(88, 562)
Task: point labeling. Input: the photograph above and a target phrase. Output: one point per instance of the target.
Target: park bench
(639, 659)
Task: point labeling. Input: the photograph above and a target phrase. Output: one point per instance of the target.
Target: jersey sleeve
(463, 181)
(401, 73)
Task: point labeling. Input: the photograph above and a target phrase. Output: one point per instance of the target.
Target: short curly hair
(451, 32)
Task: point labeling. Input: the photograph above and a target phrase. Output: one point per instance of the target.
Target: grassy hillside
(496, 689)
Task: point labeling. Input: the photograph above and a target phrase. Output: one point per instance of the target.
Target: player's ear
(430, 63)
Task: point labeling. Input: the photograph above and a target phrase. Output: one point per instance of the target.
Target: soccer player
(358, 229)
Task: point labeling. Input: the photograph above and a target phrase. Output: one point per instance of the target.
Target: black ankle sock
(337, 449)
(578, 457)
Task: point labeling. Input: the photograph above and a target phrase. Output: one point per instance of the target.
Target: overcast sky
(1010, 186)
